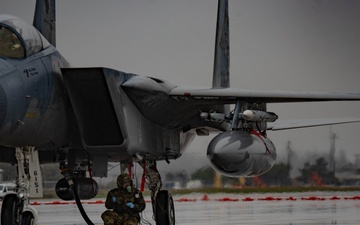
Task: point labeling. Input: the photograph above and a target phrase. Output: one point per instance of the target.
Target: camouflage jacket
(122, 197)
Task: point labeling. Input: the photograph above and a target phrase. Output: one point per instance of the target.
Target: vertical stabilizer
(222, 50)
(44, 19)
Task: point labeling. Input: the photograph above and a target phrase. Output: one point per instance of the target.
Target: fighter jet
(84, 118)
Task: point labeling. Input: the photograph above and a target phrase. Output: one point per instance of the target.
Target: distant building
(348, 178)
(357, 161)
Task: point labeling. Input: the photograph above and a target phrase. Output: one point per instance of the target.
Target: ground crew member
(124, 203)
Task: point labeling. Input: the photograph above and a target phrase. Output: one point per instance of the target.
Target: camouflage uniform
(119, 212)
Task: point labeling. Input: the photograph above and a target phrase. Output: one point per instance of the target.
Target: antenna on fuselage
(222, 50)
(44, 19)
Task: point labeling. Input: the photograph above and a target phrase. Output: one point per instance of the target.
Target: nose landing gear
(15, 208)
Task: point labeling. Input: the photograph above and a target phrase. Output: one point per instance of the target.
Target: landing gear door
(36, 183)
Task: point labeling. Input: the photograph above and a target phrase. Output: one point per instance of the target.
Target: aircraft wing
(262, 96)
(302, 123)
(231, 94)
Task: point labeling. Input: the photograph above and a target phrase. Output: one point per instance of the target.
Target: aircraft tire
(27, 218)
(9, 209)
(165, 212)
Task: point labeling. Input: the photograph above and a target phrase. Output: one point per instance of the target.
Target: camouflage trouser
(113, 218)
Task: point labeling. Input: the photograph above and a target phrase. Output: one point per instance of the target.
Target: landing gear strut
(15, 208)
(161, 200)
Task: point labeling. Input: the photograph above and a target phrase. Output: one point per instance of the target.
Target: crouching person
(124, 203)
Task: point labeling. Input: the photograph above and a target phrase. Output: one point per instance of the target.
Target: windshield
(1, 187)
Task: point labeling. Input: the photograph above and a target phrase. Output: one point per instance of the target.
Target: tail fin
(222, 50)
(44, 19)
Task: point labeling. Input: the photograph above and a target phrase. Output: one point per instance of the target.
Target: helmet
(122, 178)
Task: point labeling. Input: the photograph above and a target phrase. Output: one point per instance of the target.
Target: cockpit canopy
(18, 39)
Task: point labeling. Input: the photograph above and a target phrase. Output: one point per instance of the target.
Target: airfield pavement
(286, 208)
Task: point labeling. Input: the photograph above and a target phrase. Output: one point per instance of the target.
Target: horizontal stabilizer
(302, 123)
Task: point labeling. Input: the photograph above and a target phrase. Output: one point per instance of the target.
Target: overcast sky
(274, 45)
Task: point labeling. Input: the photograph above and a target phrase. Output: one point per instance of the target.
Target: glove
(130, 204)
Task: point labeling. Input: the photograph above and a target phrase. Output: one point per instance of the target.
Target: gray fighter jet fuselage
(83, 118)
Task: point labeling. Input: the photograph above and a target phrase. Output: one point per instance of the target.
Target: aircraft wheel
(10, 210)
(165, 212)
(27, 218)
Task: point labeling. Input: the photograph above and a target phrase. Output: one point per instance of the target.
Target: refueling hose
(66, 172)
(80, 207)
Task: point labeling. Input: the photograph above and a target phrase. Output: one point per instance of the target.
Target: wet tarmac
(300, 208)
